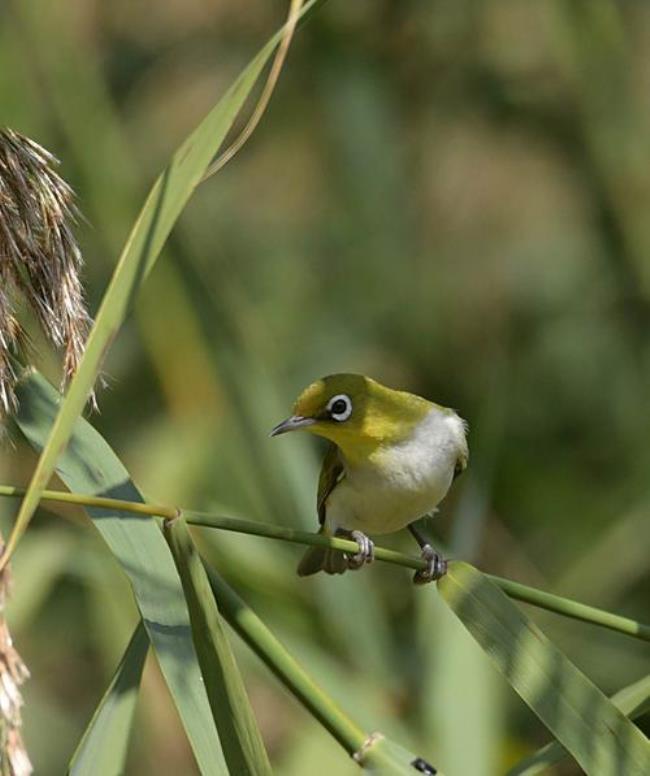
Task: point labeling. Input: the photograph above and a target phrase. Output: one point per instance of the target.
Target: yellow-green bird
(392, 458)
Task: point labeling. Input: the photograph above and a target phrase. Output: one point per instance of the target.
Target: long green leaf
(580, 716)
(633, 701)
(164, 204)
(88, 464)
(240, 737)
(102, 749)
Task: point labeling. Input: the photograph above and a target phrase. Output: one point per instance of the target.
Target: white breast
(401, 482)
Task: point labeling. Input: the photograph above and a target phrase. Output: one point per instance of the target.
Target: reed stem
(520, 592)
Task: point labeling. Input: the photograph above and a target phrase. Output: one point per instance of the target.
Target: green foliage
(240, 738)
(591, 728)
(633, 701)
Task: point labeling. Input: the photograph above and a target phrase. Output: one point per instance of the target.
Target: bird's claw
(366, 552)
(436, 566)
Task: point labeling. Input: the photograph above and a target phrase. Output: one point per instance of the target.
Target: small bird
(392, 458)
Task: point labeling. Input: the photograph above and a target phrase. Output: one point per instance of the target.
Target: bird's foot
(366, 552)
(436, 566)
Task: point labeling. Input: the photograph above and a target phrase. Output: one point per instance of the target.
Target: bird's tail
(321, 559)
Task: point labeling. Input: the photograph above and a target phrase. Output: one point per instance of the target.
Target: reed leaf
(89, 464)
(240, 737)
(164, 204)
(580, 716)
(633, 701)
(103, 747)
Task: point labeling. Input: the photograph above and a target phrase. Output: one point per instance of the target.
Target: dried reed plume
(13, 672)
(39, 259)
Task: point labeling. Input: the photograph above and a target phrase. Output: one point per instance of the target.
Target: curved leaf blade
(103, 746)
(580, 716)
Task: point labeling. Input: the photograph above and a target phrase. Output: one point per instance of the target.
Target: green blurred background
(451, 197)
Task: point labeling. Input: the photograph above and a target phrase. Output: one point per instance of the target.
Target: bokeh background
(451, 197)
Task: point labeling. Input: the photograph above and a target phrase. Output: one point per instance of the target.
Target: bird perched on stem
(391, 460)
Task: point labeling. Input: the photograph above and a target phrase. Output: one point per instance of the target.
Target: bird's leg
(366, 552)
(437, 565)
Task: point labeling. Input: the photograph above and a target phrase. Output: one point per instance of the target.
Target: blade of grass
(267, 91)
(579, 715)
(633, 701)
(103, 747)
(240, 737)
(165, 202)
(89, 464)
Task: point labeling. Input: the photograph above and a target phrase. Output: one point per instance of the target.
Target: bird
(391, 459)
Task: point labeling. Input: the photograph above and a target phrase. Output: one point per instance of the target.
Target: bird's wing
(461, 464)
(331, 473)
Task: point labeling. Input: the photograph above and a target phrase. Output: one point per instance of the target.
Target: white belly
(401, 483)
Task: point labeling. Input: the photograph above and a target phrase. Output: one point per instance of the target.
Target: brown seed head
(39, 258)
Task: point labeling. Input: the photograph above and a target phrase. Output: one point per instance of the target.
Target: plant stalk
(530, 595)
(265, 645)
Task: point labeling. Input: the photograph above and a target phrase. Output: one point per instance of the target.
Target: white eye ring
(343, 414)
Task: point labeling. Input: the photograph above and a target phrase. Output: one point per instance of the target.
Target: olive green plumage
(317, 558)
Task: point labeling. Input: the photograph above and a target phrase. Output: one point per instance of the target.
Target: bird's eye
(339, 407)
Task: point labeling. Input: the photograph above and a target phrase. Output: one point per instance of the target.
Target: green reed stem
(260, 639)
(530, 595)
(372, 751)
(570, 608)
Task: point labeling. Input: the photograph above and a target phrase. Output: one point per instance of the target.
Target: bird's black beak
(293, 423)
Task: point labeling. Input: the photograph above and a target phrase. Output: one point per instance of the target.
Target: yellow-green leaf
(240, 737)
(580, 716)
(633, 701)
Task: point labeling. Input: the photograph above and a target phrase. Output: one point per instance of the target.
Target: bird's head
(356, 413)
